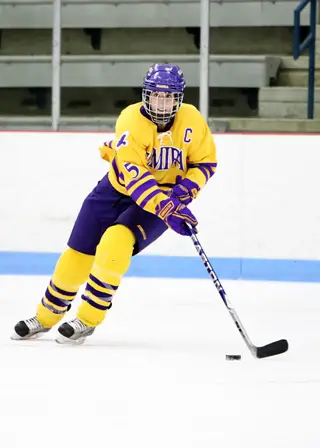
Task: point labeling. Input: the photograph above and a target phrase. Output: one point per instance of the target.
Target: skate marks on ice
(154, 374)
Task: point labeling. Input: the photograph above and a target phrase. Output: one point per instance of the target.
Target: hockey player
(162, 156)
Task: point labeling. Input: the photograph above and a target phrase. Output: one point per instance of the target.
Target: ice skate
(73, 332)
(29, 329)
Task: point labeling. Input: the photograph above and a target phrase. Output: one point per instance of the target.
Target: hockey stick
(275, 348)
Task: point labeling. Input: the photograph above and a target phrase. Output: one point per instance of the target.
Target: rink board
(258, 217)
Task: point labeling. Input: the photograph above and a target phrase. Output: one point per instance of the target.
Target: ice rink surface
(155, 375)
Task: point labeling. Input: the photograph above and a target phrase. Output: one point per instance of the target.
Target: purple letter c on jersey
(186, 139)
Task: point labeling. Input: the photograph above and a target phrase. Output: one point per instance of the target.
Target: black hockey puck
(233, 357)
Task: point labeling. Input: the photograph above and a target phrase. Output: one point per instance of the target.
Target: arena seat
(133, 13)
(107, 45)
(128, 70)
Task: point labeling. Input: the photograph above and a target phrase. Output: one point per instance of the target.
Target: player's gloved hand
(185, 190)
(175, 215)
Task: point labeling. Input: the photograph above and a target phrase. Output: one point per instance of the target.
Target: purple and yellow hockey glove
(185, 190)
(175, 215)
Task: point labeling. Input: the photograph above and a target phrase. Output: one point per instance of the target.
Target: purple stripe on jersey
(211, 171)
(55, 300)
(117, 172)
(142, 189)
(109, 144)
(204, 171)
(150, 196)
(102, 284)
(101, 295)
(133, 182)
(94, 304)
(62, 291)
(114, 166)
(51, 308)
(207, 165)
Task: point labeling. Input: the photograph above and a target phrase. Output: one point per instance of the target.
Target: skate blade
(67, 341)
(16, 337)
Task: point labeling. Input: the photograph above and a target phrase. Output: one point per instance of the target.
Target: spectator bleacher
(107, 46)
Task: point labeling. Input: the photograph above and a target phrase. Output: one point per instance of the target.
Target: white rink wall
(262, 202)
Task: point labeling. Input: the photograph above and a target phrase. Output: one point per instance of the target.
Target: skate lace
(78, 325)
(33, 323)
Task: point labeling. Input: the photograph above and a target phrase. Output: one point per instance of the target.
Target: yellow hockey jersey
(145, 161)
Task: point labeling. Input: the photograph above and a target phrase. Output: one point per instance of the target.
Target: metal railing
(308, 43)
(204, 6)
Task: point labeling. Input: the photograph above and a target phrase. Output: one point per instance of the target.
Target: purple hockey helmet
(162, 92)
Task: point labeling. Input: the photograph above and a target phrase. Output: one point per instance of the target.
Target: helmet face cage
(161, 106)
(162, 92)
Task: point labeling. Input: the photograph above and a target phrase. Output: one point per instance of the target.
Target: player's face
(162, 102)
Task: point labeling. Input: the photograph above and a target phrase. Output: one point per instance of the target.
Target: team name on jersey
(165, 157)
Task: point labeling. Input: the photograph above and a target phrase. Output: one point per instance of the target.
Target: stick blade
(273, 349)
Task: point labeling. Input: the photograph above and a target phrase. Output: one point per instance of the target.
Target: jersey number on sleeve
(133, 170)
(123, 140)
